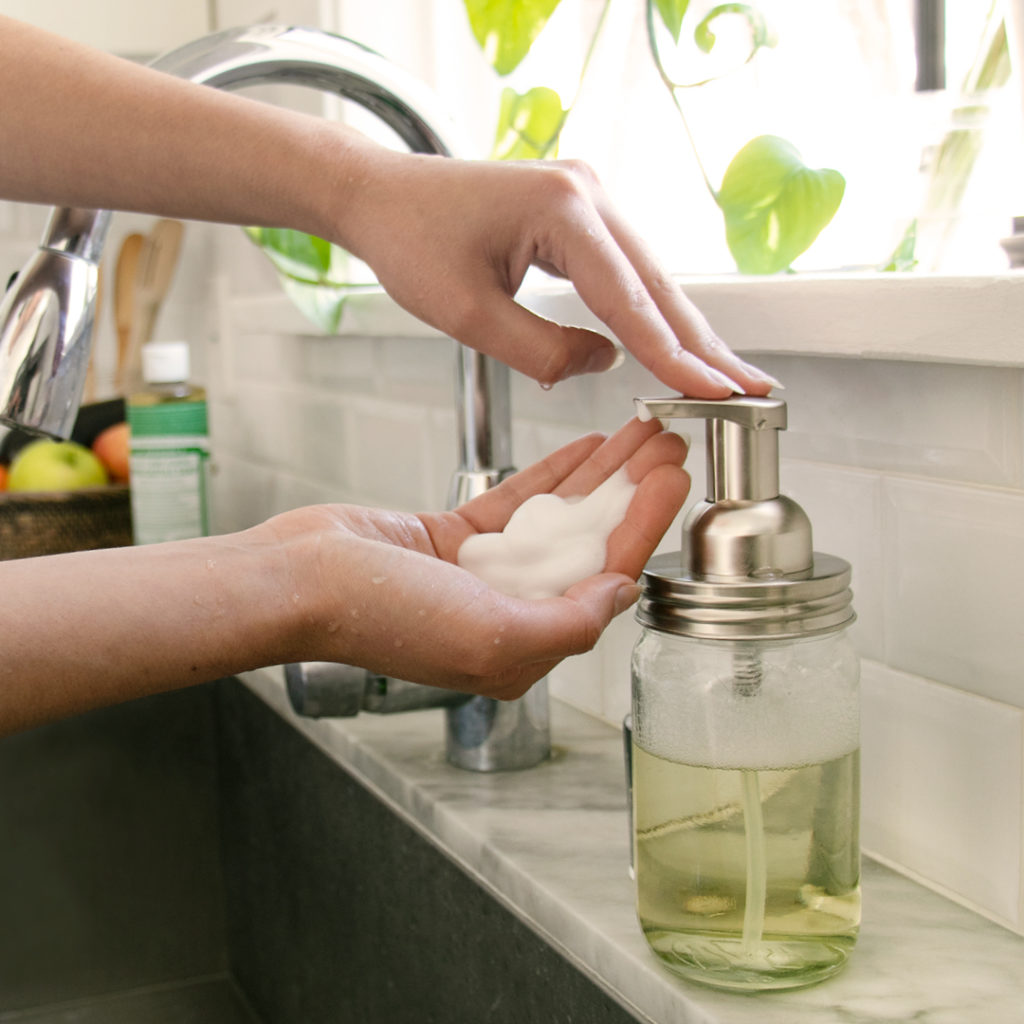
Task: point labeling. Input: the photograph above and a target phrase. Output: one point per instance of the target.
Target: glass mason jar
(746, 806)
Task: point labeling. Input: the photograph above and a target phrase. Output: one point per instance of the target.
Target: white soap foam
(806, 711)
(550, 543)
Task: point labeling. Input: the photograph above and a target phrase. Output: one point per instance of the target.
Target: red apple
(112, 448)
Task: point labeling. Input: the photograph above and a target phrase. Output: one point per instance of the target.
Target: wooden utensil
(157, 260)
(158, 266)
(126, 274)
(89, 391)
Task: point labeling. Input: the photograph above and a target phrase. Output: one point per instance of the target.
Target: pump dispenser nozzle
(744, 527)
(747, 567)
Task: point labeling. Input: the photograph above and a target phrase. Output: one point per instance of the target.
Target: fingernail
(720, 378)
(626, 596)
(602, 360)
(756, 371)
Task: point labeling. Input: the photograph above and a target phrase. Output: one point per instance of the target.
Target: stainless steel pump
(747, 568)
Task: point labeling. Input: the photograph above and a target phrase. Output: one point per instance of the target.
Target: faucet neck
(77, 232)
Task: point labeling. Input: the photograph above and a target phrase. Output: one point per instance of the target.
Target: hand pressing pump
(745, 724)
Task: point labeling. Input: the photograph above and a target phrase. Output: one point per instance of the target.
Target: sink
(192, 857)
(338, 909)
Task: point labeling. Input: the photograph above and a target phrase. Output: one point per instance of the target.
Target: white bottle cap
(165, 362)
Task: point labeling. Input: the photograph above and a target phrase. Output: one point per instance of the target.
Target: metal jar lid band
(781, 607)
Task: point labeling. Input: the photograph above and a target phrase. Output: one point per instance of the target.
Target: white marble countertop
(552, 844)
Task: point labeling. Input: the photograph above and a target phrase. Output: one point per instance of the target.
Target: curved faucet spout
(264, 54)
(46, 317)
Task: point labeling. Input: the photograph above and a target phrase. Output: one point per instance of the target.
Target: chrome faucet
(47, 315)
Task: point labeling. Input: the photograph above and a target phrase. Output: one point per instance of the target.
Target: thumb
(605, 596)
(547, 351)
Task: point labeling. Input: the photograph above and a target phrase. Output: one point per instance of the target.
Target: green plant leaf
(506, 29)
(321, 304)
(672, 13)
(760, 33)
(774, 205)
(528, 125)
(903, 257)
(298, 255)
(312, 273)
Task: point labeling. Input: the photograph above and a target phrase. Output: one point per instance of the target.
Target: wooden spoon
(126, 275)
(89, 391)
(161, 260)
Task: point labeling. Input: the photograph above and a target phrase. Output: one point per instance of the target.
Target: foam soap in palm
(550, 542)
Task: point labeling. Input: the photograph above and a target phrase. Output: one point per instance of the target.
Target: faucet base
(486, 735)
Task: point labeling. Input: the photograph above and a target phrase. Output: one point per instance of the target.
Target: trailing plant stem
(673, 89)
(587, 57)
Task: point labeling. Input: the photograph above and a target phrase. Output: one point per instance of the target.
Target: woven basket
(51, 523)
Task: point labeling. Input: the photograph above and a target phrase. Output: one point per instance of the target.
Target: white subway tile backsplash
(569, 402)
(953, 560)
(942, 787)
(389, 452)
(578, 681)
(267, 358)
(242, 493)
(8, 216)
(245, 493)
(844, 507)
(343, 365)
(617, 649)
(322, 428)
(598, 682)
(926, 419)
(419, 370)
(613, 393)
(257, 424)
(550, 438)
(23, 221)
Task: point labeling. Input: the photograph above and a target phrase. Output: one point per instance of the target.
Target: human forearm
(96, 627)
(83, 128)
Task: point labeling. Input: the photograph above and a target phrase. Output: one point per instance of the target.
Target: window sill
(930, 318)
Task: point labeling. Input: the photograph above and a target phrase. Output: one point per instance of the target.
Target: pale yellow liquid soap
(747, 879)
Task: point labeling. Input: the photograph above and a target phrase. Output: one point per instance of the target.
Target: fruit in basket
(46, 465)
(112, 447)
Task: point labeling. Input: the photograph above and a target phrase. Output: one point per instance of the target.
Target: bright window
(839, 85)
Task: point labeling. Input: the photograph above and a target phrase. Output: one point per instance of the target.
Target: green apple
(46, 465)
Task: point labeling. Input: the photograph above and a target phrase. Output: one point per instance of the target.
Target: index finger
(623, 284)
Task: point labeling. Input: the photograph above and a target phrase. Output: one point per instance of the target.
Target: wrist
(271, 591)
(361, 192)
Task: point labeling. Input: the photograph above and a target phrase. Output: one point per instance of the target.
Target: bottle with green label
(170, 449)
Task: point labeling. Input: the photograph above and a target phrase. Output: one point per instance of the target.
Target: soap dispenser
(745, 726)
